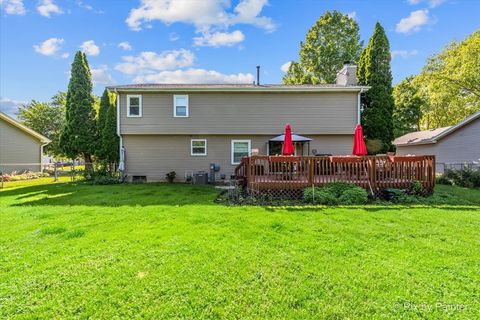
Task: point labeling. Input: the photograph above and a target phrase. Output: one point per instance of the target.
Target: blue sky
(199, 40)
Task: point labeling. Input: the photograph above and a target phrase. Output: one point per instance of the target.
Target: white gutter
(260, 89)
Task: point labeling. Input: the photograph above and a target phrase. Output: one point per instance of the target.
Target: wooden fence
(374, 173)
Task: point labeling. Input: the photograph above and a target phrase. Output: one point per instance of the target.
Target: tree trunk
(88, 162)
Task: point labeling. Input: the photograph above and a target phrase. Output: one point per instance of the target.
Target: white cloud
(101, 76)
(49, 47)
(352, 15)
(219, 39)
(413, 22)
(149, 62)
(90, 48)
(194, 76)
(65, 55)
(47, 7)
(431, 3)
(13, 6)
(286, 66)
(203, 14)
(10, 106)
(125, 46)
(173, 36)
(403, 53)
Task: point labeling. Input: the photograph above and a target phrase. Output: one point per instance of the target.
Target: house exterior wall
(155, 155)
(462, 145)
(253, 113)
(18, 149)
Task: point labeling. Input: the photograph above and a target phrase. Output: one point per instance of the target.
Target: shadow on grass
(64, 194)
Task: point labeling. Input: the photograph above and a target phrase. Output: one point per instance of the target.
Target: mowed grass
(71, 250)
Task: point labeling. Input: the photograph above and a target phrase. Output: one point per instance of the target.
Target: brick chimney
(347, 76)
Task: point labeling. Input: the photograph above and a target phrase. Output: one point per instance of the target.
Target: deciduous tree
(333, 39)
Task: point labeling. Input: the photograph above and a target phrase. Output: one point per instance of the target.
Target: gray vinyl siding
(18, 150)
(244, 113)
(155, 155)
(462, 145)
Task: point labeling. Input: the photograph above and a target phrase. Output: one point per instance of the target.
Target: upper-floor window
(240, 149)
(134, 105)
(180, 106)
(198, 147)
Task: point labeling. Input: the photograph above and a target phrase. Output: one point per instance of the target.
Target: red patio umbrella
(359, 148)
(287, 148)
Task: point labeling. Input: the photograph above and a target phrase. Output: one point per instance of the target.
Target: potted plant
(171, 176)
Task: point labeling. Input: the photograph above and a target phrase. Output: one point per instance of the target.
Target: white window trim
(232, 149)
(175, 105)
(139, 96)
(198, 154)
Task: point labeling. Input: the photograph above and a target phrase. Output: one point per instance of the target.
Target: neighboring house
(456, 144)
(21, 148)
(184, 128)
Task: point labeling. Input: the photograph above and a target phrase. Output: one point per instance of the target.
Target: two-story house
(185, 127)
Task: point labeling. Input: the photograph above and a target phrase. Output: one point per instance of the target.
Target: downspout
(118, 125)
(359, 104)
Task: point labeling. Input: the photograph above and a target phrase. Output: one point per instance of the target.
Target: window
(240, 149)
(134, 105)
(198, 147)
(180, 106)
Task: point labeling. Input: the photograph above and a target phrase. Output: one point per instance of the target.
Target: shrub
(374, 146)
(319, 196)
(355, 195)
(416, 189)
(442, 179)
(464, 177)
(338, 188)
(100, 177)
(336, 193)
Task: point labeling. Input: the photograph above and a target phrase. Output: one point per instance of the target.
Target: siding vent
(139, 179)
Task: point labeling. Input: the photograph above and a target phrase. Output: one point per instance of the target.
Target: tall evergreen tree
(374, 71)
(102, 116)
(333, 39)
(110, 139)
(79, 134)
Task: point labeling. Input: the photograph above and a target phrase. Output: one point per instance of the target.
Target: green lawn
(71, 250)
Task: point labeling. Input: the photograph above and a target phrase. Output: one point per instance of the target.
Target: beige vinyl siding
(18, 150)
(244, 113)
(462, 145)
(155, 155)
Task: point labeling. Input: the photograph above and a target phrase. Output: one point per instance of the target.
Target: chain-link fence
(16, 172)
(441, 167)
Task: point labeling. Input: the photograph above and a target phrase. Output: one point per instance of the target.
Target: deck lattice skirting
(287, 175)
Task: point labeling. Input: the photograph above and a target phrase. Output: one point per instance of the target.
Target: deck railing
(370, 172)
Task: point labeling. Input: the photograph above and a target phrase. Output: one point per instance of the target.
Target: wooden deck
(373, 173)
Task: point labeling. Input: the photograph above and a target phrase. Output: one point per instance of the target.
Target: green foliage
(47, 119)
(108, 143)
(450, 82)
(354, 196)
(333, 39)
(465, 177)
(79, 134)
(319, 196)
(416, 189)
(374, 146)
(336, 193)
(374, 71)
(409, 104)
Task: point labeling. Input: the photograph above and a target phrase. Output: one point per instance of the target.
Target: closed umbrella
(287, 148)
(359, 148)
